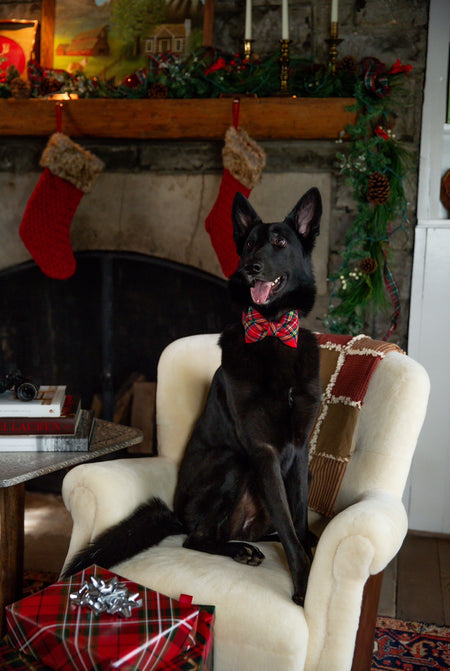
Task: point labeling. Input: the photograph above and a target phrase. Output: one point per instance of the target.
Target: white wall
(428, 493)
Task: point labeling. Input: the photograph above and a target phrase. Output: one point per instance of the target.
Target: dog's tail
(148, 525)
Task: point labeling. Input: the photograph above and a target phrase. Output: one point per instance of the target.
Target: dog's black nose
(253, 267)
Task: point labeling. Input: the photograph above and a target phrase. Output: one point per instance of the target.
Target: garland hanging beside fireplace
(375, 165)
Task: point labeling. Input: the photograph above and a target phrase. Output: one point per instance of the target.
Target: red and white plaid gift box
(200, 656)
(49, 627)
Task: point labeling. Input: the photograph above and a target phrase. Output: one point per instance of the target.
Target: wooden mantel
(276, 118)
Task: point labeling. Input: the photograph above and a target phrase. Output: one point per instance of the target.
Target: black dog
(244, 474)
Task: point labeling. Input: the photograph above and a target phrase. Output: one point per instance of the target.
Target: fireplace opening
(111, 319)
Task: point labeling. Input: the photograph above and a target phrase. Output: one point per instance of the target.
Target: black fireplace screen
(111, 319)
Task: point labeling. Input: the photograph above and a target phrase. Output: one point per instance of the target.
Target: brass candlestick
(248, 49)
(284, 65)
(333, 42)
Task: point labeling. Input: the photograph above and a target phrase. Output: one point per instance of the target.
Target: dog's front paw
(248, 554)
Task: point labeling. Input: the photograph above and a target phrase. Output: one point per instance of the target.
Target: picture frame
(100, 54)
(17, 44)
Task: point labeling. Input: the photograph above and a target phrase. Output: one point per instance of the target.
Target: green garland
(375, 165)
(205, 73)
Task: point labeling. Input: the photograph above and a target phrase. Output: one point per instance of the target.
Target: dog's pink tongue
(260, 291)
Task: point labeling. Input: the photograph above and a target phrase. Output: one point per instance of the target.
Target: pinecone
(378, 189)
(347, 63)
(20, 88)
(157, 91)
(49, 85)
(368, 265)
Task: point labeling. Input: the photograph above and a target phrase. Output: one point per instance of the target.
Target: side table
(18, 467)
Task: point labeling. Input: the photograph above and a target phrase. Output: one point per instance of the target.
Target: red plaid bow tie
(256, 327)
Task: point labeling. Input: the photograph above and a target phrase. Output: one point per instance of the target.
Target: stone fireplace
(139, 237)
(146, 274)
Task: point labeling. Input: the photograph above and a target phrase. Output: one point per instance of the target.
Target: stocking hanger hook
(236, 111)
(58, 115)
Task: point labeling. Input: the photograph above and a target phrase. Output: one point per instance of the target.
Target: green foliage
(359, 286)
(132, 19)
(204, 73)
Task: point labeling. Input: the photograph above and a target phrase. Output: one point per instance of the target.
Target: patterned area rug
(33, 581)
(403, 646)
(411, 646)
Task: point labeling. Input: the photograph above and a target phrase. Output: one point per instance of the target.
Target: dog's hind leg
(244, 553)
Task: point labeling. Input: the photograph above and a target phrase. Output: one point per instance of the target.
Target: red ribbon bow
(257, 327)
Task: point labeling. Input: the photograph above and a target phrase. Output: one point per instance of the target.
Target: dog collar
(257, 327)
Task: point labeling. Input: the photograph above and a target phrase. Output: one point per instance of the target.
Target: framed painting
(17, 43)
(111, 40)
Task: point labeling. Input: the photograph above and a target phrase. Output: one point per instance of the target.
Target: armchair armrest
(101, 494)
(360, 541)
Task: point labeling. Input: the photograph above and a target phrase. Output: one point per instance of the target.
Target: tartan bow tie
(257, 327)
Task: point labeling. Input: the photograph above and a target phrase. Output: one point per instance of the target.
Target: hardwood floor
(416, 585)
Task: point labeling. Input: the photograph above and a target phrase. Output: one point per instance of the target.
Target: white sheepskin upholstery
(258, 627)
(185, 369)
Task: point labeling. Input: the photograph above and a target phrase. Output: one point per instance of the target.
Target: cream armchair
(258, 627)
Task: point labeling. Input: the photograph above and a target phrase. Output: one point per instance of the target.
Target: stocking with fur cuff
(69, 172)
(243, 162)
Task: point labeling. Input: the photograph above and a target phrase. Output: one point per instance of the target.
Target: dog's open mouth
(262, 291)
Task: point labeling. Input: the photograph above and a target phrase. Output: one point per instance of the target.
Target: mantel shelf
(277, 118)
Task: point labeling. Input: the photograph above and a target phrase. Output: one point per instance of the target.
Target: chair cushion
(258, 626)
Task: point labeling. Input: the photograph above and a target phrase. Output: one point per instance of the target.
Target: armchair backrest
(386, 432)
(185, 370)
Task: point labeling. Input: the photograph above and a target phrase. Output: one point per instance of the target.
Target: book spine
(25, 426)
(36, 427)
(49, 403)
(75, 443)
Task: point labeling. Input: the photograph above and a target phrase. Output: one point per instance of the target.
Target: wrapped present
(200, 656)
(97, 620)
(12, 660)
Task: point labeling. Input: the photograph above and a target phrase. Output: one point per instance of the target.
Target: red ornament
(381, 133)
(399, 67)
(220, 64)
(131, 81)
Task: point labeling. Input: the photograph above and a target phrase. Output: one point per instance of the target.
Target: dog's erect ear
(244, 218)
(305, 217)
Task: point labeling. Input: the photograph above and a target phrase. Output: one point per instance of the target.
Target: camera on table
(25, 387)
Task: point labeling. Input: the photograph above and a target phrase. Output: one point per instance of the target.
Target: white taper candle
(284, 20)
(248, 20)
(334, 11)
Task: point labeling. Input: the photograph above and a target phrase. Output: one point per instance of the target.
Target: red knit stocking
(219, 226)
(45, 227)
(69, 173)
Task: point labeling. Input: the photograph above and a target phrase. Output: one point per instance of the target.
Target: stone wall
(154, 195)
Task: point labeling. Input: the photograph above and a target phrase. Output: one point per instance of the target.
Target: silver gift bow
(106, 597)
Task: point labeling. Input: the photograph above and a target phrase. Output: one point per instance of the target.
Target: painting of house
(172, 37)
(88, 43)
(110, 39)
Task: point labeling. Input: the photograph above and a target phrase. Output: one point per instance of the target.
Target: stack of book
(52, 422)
